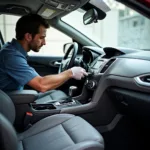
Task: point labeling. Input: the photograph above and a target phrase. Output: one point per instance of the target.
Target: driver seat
(50, 96)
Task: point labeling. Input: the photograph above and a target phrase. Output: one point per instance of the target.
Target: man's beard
(36, 49)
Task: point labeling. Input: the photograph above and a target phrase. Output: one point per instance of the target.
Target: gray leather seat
(57, 132)
(49, 96)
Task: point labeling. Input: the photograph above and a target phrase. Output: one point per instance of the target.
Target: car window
(122, 27)
(54, 39)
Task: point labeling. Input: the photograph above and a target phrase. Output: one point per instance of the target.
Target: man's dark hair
(29, 24)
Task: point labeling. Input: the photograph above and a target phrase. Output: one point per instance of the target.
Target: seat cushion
(61, 132)
(49, 96)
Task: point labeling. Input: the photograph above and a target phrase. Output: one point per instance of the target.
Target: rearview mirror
(90, 16)
(93, 15)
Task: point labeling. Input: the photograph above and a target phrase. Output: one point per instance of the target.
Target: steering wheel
(67, 62)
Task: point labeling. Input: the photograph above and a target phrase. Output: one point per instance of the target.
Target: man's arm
(17, 68)
(50, 82)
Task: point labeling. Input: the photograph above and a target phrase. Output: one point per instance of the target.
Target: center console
(56, 106)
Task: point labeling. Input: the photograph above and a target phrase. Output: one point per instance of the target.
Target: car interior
(108, 109)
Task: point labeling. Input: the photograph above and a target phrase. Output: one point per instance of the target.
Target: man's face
(39, 40)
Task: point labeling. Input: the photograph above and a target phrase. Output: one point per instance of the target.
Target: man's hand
(78, 73)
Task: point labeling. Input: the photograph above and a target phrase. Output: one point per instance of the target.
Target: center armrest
(23, 97)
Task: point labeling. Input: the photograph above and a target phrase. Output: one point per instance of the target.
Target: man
(14, 69)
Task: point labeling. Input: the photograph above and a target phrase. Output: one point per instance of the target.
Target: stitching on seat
(68, 134)
(45, 130)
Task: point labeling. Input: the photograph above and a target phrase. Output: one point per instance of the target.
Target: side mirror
(90, 16)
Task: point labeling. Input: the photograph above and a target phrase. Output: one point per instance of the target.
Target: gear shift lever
(72, 91)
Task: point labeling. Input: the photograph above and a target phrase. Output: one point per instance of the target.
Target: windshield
(122, 27)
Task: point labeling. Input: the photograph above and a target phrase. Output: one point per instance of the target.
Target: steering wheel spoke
(69, 58)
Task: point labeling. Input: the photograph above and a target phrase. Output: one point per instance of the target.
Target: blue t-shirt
(14, 69)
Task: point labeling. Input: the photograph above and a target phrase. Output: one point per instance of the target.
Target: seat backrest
(7, 108)
(8, 137)
(7, 116)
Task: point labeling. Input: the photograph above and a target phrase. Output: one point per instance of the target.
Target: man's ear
(28, 37)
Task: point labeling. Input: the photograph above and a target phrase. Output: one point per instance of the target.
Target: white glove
(78, 73)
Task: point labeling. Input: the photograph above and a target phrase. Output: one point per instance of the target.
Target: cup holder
(43, 106)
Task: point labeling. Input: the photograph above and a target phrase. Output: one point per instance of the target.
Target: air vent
(143, 80)
(146, 78)
(107, 65)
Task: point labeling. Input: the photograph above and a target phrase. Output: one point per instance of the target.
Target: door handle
(56, 63)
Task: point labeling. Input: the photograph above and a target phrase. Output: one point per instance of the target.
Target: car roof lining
(22, 7)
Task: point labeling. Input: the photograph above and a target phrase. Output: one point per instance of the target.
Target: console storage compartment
(42, 106)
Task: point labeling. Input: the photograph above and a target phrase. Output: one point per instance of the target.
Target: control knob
(90, 84)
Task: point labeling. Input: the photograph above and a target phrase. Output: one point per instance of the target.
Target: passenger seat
(57, 132)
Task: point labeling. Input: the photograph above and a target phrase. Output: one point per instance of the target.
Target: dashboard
(123, 73)
(96, 58)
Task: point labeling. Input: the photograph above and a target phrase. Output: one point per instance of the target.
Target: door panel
(45, 65)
